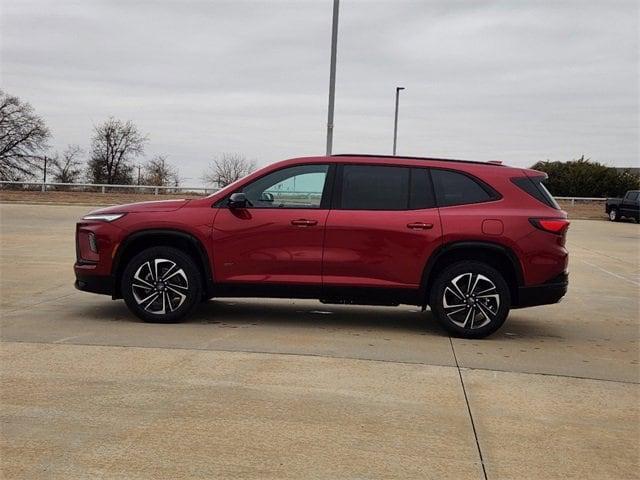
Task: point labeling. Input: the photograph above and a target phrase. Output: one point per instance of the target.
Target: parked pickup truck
(627, 207)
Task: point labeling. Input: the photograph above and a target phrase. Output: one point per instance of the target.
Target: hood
(153, 206)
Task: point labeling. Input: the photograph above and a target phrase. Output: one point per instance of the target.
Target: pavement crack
(601, 254)
(18, 308)
(307, 354)
(466, 400)
(73, 337)
(610, 273)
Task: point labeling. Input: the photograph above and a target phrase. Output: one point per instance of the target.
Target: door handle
(420, 226)
(302, 222)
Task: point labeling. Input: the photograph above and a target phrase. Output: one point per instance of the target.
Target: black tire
(614, 216)
(176, 284)
(481, 315)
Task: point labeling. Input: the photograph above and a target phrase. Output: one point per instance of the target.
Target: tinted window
(454, 188)
(372, 187)
(420, 191)
(633, 196)
(293, 187)
(535, 188)
(546, 193)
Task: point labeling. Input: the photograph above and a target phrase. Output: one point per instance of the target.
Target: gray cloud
(512, 80)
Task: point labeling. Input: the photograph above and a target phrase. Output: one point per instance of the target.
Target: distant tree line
(23, 137)
(115, 147)
(227, 168)
(585, 178)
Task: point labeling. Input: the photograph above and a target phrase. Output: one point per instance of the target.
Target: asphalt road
(295, 389)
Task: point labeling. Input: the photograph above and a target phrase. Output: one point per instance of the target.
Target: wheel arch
(142, 239)
(497, 255)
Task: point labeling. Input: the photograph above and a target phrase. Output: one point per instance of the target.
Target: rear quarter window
(534, 187)
(455, 188)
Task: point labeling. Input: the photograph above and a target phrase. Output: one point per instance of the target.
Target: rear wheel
(613, 215)
(161, 284)
(470, 299)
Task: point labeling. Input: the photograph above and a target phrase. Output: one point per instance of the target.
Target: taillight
(558, 226)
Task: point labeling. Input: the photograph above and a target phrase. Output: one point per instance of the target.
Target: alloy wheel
(471, 300)
(160, 286)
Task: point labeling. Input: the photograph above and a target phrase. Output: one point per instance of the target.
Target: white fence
(574, 200)
(102, 188)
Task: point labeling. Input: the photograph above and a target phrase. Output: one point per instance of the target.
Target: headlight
(104, 217)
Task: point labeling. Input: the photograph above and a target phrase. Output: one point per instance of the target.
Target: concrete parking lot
(264, 389)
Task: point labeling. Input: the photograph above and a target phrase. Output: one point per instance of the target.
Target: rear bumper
(102, 284)
(549, 292)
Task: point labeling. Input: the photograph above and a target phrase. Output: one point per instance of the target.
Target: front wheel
(470, 299)
(161, 284)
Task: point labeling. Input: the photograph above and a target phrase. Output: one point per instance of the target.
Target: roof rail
(371, 155)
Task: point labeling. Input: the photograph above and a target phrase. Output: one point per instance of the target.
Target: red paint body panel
(262, 245)
(376, 248)
(343, 248)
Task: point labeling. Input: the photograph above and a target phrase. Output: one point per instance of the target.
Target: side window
(420, 191)
(534, 187)
(374, 187)
(294, 187)
(632, 196)
(453, 188)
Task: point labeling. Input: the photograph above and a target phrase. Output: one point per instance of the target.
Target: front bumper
(102, 284)
(94, 264)
(544, 294)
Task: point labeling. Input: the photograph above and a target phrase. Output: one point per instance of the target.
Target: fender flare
(443, 250)
(170, 232)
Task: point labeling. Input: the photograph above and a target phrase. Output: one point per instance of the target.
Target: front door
(278, 237)
(384, 227)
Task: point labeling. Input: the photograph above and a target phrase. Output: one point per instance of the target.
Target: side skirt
(330, 295)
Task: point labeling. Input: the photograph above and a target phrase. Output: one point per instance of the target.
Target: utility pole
(395, 123)
(44, 176)
(139, 174)
(332, 75)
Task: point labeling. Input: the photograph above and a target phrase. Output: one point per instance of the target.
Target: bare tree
(23, 138)
(158, 171)
(228, 168)
(113, 146)
(67, 168)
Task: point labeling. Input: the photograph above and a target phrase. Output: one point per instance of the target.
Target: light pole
(44, 176)
(332, 75)
(395, 123)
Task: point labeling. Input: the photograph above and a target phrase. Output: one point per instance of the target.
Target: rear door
(382, 228)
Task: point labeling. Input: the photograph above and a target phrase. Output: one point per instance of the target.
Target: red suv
(471, 240)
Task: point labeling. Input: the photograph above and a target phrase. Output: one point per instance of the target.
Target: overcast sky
(517, 81)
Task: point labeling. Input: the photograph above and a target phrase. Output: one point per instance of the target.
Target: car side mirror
(238, 200)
